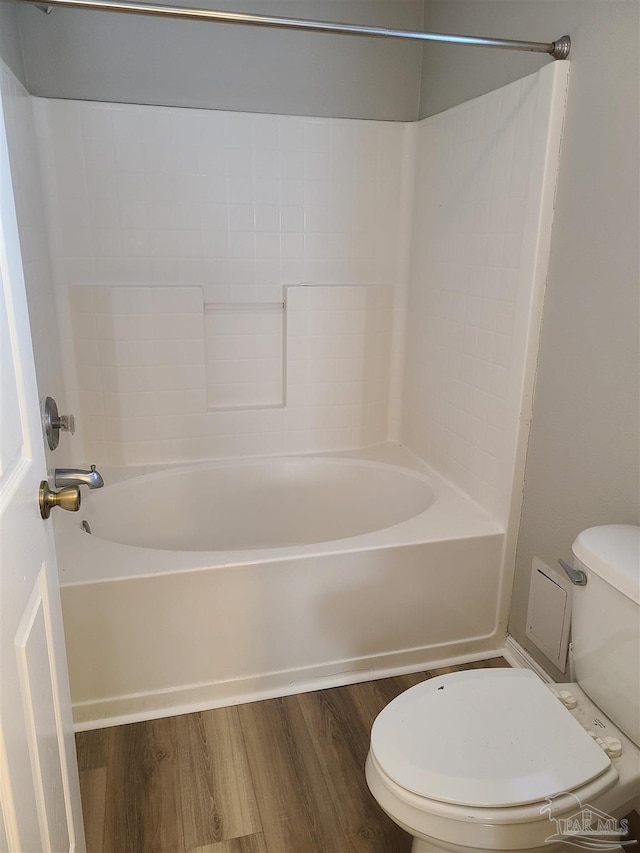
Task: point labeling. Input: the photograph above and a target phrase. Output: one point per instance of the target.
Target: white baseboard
(133, 708)
(188, 699)
(519, 657)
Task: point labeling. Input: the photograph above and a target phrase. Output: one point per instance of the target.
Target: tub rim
(123, 488)
(451, 515)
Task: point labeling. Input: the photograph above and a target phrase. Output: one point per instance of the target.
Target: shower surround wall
(485, 175)
(177, 236)
(28, 194)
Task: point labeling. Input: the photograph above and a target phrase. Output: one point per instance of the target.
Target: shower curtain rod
(557, 49)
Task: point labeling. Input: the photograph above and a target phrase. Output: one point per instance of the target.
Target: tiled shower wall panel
(483, 198)
(28, 194)
(239, 205)
(144, 379)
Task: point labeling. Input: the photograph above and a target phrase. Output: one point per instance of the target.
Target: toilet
(496, 759)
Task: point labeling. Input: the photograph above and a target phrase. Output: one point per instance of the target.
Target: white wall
(10, 45)
(195, 209)
(583, 464)
(27, 188)
(178, 234)
(483, 199)
(130, 59)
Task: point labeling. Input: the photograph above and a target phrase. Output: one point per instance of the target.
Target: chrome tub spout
(78, 477)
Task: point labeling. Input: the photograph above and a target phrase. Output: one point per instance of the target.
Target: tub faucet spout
(78, 477)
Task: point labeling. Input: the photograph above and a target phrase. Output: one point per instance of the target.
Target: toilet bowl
(491, 759)
(496, 759)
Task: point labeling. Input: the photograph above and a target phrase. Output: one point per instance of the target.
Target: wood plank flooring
(279, 776)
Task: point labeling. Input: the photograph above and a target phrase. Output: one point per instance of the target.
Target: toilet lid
(484, 738)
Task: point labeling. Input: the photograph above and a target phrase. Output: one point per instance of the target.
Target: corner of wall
(422, 50)
(23, 61)
(538, 656)
(11, 52)
(34, 242)
(401, 289)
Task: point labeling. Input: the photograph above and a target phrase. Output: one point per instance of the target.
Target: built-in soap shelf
(245, 355)
(242, 306)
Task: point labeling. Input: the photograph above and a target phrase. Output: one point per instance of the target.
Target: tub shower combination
(210, 584)
(207, 583)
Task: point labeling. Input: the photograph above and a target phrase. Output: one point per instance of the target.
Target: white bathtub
(223, 582)
(256, 504)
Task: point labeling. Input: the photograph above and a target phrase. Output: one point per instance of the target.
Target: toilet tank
(606, 622)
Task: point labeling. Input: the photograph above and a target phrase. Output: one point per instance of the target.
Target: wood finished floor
(279, 776)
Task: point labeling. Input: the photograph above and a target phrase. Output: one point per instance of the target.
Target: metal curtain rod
(557, 49)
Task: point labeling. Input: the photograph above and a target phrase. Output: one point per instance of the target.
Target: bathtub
(224, 582)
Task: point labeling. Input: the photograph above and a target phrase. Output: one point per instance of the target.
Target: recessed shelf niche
(244, 345)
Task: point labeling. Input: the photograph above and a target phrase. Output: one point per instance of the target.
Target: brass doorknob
(67, 498)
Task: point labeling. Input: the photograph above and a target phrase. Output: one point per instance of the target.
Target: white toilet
(495, 759)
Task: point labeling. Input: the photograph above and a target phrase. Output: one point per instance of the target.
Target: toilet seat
(514, 828)
(497, 818)
(489, 739)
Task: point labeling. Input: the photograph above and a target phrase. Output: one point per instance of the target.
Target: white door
(39, 791)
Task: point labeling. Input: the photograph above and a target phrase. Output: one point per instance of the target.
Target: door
(39, 791)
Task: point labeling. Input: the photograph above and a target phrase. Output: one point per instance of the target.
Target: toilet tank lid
(612, 552)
